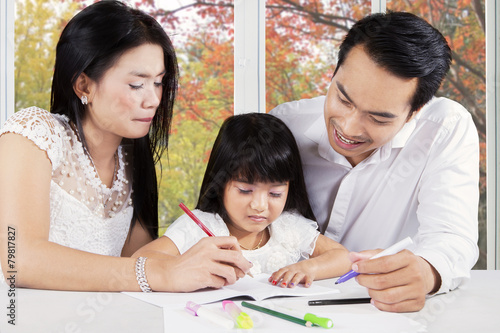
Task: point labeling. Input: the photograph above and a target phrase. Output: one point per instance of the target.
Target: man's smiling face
(365, 106)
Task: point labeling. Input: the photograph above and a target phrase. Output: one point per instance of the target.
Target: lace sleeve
(296, 233)
(40, 127)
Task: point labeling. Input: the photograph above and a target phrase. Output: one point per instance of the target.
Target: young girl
(254, 190)
(78, 184)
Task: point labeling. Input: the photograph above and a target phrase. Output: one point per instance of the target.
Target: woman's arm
(25, 174)
(329, 259)
(212, 262)
(137, 238)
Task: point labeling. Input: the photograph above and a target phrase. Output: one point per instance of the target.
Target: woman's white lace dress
(78, 217)
(293, 238)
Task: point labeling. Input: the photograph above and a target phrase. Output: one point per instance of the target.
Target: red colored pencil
(196, 220)
(200, 224)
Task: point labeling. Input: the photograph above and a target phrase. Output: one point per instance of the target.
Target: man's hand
(396, 283)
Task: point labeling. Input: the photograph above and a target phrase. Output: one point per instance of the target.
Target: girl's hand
(290, 276)
(328, 260)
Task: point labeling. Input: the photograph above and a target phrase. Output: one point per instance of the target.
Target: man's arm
(446, 241)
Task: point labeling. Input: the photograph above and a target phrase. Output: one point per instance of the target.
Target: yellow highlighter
(241, 319)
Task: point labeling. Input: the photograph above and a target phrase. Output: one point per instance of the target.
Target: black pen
(340, 301)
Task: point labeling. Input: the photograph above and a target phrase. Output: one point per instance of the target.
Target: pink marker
(214, 317)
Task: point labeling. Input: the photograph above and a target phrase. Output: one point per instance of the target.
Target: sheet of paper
(257, 288)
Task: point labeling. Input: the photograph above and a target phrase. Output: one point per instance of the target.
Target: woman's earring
(84, 100)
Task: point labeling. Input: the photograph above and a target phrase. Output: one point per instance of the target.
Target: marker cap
(319, 321)
(241, 318)
(192, 308)
(244, 321)
(198, 310)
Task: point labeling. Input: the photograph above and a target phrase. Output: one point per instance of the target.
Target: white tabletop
(474, 307)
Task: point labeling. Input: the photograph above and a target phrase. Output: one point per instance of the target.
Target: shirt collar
(399, 141)
(319, 134)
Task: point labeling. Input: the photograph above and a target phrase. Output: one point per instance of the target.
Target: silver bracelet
(140, 273)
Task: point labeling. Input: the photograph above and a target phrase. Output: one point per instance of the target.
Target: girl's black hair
(91, 43)
(257, 147)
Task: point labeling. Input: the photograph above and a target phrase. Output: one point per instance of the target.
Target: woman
(78, 185)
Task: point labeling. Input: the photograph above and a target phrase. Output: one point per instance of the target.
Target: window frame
(249, 86)
(492, 12)
(7, 53)
(249, 56)
(246, 78)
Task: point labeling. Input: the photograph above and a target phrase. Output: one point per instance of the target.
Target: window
(292, 60)
(302, 38)
(325, 22)
(6, 60)
(493, 128)
(203, 39)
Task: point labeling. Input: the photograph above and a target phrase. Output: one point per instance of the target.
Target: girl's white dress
(84, 213)
(293, 238)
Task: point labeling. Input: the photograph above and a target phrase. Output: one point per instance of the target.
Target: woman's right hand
(212, 262)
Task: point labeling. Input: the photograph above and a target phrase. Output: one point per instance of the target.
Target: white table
(473, 308)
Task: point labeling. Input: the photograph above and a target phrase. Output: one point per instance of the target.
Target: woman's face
(124, 102)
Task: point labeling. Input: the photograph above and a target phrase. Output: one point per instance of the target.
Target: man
(385, 159)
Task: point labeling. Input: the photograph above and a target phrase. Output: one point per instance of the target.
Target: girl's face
(252, 207)
(124, 102)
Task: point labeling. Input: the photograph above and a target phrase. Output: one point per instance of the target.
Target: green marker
(277, 314)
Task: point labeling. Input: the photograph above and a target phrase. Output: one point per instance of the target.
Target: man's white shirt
(423, 184)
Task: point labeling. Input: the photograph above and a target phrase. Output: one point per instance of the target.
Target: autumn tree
(205, 99)
(37, 31)
(302, 37)
(295, 27)
(462, 23)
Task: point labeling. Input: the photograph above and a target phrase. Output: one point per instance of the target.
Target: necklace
(258, 245)
(105, 201)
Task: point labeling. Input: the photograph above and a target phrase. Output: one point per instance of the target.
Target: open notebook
(257, 288)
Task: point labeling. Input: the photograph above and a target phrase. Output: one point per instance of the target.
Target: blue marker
(399, 246)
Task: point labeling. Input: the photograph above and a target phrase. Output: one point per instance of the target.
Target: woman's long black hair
(91, 43)
(257, 147)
